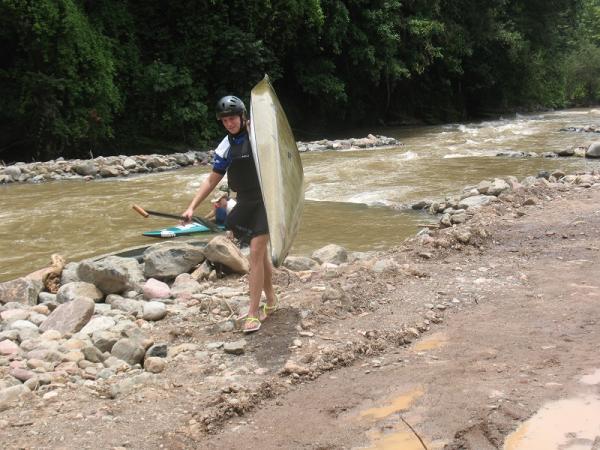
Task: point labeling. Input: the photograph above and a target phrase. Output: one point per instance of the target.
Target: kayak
(179, 230)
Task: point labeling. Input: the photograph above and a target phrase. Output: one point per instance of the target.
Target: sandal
(251, 324)
(268, 310)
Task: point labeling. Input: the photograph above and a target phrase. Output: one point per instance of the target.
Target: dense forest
(81, 77)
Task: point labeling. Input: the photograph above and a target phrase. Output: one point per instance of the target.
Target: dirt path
(505, 325)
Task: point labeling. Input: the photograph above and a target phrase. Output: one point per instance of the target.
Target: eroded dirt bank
(456, 339)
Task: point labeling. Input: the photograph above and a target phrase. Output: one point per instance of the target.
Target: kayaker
(248, 219)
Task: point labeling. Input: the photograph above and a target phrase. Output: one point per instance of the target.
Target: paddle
(146, 212)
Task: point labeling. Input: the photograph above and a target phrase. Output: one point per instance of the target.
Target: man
(220, 209)
(248, 219)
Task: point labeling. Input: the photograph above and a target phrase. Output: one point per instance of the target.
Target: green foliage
(105, 75)
(58, 73)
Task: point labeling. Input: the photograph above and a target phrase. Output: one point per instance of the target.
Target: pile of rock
(101, 167)
(590, 151)
(586, 129)
(371, 141)
(93, 327)
(457, 209)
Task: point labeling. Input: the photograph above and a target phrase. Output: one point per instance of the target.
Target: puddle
(401, 438)
(396, 405)
(591, 379)
(434, 341)
(570, 424)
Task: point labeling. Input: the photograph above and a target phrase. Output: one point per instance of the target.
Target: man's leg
(256, 278)
(268, 280)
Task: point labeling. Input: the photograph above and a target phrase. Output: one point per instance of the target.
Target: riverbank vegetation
(108, 77)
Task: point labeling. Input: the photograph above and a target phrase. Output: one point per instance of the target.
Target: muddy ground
(450, 344)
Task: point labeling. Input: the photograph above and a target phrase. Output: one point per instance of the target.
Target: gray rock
(299, 263)
(154, 311)
(165, 261)
(497, 187)
(92, 354)
(69, 317)
(235, 348)
(331, 253)
(23, 324)
(185, 286)
(21, 290)
(69, 273)
(70, 291)
(47, 297)
(128, 350)
(98, 323)
(593, 150)
(105, 340)
(13, 171)
(476, 201)
(85, 168)
(113, 274)
(133, 307)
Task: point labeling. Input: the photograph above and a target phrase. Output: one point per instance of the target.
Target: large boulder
(593, 150)
(221, 250)
(113, 274)
(165, 261)
(70, 317)
(21, 290)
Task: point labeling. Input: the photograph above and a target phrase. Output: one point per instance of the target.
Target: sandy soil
(453, 345)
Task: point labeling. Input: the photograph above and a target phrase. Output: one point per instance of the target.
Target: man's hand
(187, 216)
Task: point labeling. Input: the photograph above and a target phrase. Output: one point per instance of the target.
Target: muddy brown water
(354, 198)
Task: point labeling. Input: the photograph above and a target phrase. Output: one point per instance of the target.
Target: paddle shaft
(146, 212)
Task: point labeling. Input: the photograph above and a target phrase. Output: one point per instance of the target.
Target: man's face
(232, 124)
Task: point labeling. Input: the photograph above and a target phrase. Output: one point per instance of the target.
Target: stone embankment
(122, 166)
(590, 151)
(111, 324)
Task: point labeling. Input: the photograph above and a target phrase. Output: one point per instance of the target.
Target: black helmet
(230, 105)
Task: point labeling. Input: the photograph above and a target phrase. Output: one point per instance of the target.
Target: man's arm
(204, 191)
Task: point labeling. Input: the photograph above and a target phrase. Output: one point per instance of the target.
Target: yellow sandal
(254, 325)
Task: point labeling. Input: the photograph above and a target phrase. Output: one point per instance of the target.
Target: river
(354, 198)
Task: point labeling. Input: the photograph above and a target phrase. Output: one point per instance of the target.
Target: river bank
(349, 328)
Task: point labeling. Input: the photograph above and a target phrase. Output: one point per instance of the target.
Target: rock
(222, 251)
(154, 288)
(157, 350)
(113, 274)
(497, 187)
(300, 263)
(332, 294)
(128, 350)
(165, 261)
(98, 323)
(202, 272)
(21, 290)
(291, 367)
(185, 286)
(154, 364)
(105, 340)
(92, 354)
(8, 348)
(385, 265)
(70, 317)
(69, 273)
(13, 171)
(85, 168)
(129, 163)
(154, 311)
(593, 150)
(331, 253)
(476, 201)
(23, 324)
(14, 314)
(70, 291)
(235, 348)
(133, 307)
(566, 152)
(9, 397)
